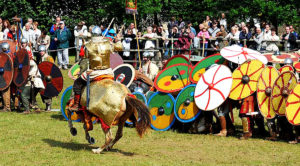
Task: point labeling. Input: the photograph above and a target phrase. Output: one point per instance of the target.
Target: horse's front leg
(108, 139)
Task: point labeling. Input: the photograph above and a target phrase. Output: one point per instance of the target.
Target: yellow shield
(293, 106)
(283, 86)
(264, 90)
(245, 79)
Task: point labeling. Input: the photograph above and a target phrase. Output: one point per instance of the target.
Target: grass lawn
(44, 139)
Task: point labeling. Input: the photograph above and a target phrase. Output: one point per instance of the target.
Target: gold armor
(98, 52)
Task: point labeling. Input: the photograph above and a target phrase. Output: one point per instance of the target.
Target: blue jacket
(243, 35)
(62, 38)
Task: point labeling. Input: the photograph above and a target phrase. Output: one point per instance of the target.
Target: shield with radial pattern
(74, 71)
(245, 79)
(185, 108)
(142, 98)
(6, 71)
(280, 58)
(52, 79)
(264, 90)
(292, 112)
(177, 59)
(161, 107)
(286, 68)
(21, 67)
(283, 86)
(172, 79)
(297, 66)
(124, 74)
(213, 87)
(202, 65)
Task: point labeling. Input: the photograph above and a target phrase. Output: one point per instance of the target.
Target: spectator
(164, 33)
(203, 35)
(266, 35)
(80, 32)
(184, 41)
(28, 34)
(214, 30)
(245, 34)
(181, 23)
(273, 40)
(1, 24)
(171, 24)
(189, 23)
(36, 35)
(12, 34)
(294, 32)
(220, 43)
(149, 43)
(44, 39)
(223, 21)
(207, 22)
(53, 44)
(154, 27)
(132, 28)
(89, 33)
(258, 38)
(62, 36)
(233, 36)
(129, 42)
(30, 22)
(6, 28)
(290, 38)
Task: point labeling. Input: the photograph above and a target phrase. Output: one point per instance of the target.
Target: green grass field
(44, 139)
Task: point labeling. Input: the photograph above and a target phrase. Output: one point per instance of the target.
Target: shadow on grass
(58, 117)
(78, 146)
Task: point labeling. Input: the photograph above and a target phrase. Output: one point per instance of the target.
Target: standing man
(223, 21)
(62, 37)
(28, 34)
(53, 44)
(290, 38)
(6, 92)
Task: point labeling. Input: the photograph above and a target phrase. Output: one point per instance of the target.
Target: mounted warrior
(110, 101)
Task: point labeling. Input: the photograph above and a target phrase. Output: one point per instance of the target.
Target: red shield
(6, 71)
(21, 67)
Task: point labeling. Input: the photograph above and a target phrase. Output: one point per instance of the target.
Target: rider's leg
(79, 83)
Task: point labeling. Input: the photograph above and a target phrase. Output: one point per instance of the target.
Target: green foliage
(277, 12)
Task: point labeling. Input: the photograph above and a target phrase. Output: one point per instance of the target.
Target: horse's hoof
(97, 151)
(91, 140)
(73, 131)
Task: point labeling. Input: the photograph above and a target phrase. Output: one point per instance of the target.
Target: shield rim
(193, 68)
(171, 124)
(175, 56)
(289, 66)
(69, 72)
(175, 111)
(12, 67)
(293, 75)
(267, 66)
(133, 73)
(298, 124)
(61, 104)
(170, 91)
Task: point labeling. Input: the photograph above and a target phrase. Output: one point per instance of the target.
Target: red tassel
(81, 53)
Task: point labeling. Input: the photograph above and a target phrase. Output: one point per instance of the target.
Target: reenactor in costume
(24, 44)
(6, 93)
(98, 52)
(225, 121)
(149, 68)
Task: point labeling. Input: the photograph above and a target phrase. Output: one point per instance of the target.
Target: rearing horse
(112, 103)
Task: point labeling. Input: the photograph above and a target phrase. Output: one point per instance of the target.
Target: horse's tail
(141, 112)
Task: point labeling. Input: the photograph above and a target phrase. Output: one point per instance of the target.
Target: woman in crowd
(6, 28)
(204, 36)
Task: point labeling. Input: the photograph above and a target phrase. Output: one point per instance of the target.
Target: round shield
(6, 71)
(239, 55)
(177, 59)
(12, 45)
(213, 87)
(286, 68)
(283, 86)
(161, 109)
(280, 58)
(21, 67)
(74, 71)
(142, 98)
(124, 74)
(52, 79)
(185, 108)
(172, 79)
(245, 79)
(297, 66)
(202, 65)
(293, 106)
(264, 90)
(64, 105)
(115, 60)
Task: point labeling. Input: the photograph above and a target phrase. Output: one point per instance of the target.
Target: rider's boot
(75, 106)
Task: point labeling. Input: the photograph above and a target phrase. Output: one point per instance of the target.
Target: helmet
(42, 48)
(24, 40)
(96, 31)
(288, 61)
(5, 46)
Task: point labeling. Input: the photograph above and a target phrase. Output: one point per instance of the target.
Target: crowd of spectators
(175, 36)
